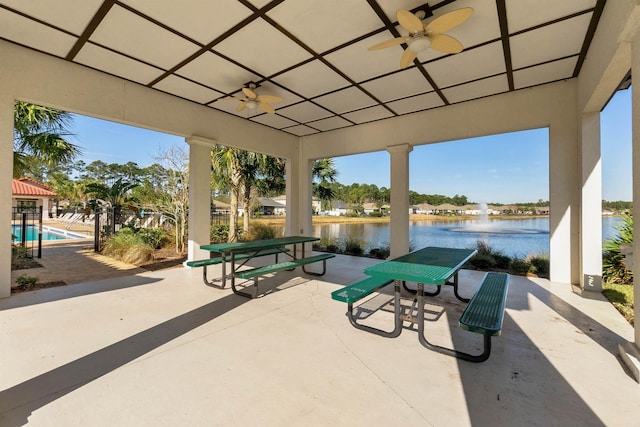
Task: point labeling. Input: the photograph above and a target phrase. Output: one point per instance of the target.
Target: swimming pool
(48, 233)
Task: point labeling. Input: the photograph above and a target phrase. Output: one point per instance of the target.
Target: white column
(630, 352)
(564, 197)
(299, 193)
(6, 174)
(199, 195)
(399, 226)
(591, 206)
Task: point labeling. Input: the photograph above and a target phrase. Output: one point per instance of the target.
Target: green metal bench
(255, 273)
(217, 260)
(483, 315)
(355, 292)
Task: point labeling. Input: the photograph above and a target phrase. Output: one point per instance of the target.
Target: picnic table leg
(448, 351)
(455, 289)
(397, 314)
(233, 279)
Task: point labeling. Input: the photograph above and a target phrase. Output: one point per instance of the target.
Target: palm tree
(324, 174)
(39, 136)
(225, 162)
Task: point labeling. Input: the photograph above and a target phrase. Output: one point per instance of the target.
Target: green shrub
(502, 261)
(260, 231)
(154, 237)
(539, 264)
(353, 246)
(128, 246)
(613, 268)
(375, 214)
(519, 266)
(26, 281)
(220, 233)
(483, 261)
(380, 253)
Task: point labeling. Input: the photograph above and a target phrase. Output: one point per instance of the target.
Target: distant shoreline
(280, 220)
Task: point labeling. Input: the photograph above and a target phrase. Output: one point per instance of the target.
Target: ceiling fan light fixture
(420, 44)
(251, 105)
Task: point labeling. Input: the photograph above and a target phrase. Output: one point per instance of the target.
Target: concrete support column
(299, 193)
(591, 206)
(399, 227)
(630, 352)
(564, 249)
(199, 195)
(6, 174)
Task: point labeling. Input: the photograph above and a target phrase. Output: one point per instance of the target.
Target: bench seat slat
(286, 265)
(361, 289)
(485, 311)
(218, 260)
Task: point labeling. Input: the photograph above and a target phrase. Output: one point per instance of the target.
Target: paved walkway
(74, 261)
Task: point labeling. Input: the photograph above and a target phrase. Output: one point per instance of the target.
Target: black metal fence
(26, 230)
(220, 217)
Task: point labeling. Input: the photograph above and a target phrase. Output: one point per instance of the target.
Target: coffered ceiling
(312, 53)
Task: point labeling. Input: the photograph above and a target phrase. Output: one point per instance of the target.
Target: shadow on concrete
(41, 296)
(20, 401)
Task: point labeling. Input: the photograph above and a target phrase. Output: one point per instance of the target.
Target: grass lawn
(621, 296)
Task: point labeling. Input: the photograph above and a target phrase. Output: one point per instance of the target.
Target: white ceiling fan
(251, 100)
(423, 36)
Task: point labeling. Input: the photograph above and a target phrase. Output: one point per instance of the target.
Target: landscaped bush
(539, 264)
(128, 246)
(613, 268)
(353, 246)
(260, 231)
(483, 261)
(220, 233)
(154, 237)
(519, 266)
(380, 253)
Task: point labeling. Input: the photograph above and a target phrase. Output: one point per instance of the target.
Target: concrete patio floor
(161, 348)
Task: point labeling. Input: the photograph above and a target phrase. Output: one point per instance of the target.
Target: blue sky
(502, 168)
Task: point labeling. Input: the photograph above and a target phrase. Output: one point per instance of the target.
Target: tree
(324, 173)
(166, 189)
(225, 162)
(39, 136)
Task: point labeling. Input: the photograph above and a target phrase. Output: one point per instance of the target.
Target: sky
(505, 168)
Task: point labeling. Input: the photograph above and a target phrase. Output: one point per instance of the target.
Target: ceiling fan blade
(445, 43)
(407, 58)
(241, 106)
(409, 21)
(250, 94)
(389, 43)
(268, 98)
(266, 107)
(231, 98)
(449, 20)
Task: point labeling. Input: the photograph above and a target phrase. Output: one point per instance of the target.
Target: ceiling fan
(251, 100)
(423, 36)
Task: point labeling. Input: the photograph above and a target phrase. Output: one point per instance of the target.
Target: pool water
(32, 234)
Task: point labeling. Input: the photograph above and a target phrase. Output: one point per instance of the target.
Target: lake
(519, 237)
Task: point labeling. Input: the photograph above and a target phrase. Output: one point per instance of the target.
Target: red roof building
(30, 194)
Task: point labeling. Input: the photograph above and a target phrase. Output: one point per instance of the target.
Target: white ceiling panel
(30, 33)
(550, 42)
(526, 14)
(113, 63)
(274, 120)
(128, 33)
(416, 103)
(330, 123)
(468, 65)
(312, 79)
(320, 27)
(304, 112)
(262, 48)
(548, 72)
(145, 40)
(400, 85)
(360, 64)
(220, 74)
(478, 89)
(186, 89)
(210, 20)
(368, 114)
(70, 15)
(345, 100)
(301, 130)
